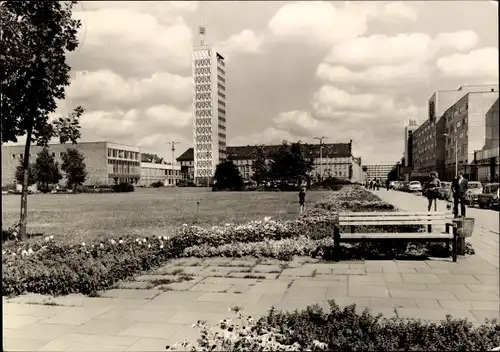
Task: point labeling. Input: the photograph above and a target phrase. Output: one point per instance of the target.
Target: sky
(295, 70)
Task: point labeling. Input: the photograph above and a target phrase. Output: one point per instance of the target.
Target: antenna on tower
(201, 31)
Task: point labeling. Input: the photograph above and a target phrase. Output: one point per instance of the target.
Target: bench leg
(336, 244)
(455, 245)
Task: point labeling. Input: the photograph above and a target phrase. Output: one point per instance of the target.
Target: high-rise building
(412, 126)
(209, 110)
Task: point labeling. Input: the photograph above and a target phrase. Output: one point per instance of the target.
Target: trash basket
(465, 226)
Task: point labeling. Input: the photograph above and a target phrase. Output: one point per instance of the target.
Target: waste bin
(465, 226)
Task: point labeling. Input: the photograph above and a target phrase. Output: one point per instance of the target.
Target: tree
(35, 36)
(228, 177)
(74, 167)
(290, 164)
(19, 176)
(47, 169)
(259, 166)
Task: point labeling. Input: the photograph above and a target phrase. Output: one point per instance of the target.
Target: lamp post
(456, 152)
(321, 154)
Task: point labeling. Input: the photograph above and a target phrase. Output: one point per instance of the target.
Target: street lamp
(456, 152)
(321, 154)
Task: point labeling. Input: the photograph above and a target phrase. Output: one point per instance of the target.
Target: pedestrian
(459, 189)
(371, 184)
(377, 183)
(433, 191)
(302, 199)
(387, 183)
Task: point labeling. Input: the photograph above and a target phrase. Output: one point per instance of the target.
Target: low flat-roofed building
(168, 174)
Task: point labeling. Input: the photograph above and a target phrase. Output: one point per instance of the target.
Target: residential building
(492, 128)
(408, 154)
(209, 111)
(486, 165)
(337, 161)
(466, 131)
(106, 162)
(378, 171)
(428, 142)
(168, 174)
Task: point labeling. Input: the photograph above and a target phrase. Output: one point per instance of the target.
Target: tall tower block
(209, 110)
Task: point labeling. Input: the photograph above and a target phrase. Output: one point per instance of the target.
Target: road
(485, 238)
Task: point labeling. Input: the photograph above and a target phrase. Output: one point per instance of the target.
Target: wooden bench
(430, 219)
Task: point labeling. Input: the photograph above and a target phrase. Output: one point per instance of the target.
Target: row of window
(222, 127)
(203, 113)
(220, 70)
(204, 155)
(21, 156)
(202, 70)
(203, 104)
(204, 163)
(203, 88)
(203, 96)
(222, 95)
(221, 79)
(203, 130)
(148, 172)
(221, 110)
(201, 145)
(202, 79)
(204, 172)
(221, 62)
(204, 138)
(204, 121)
(202, 62)
(221, 87)
(126, 169)
(122, 154)
(221, 103)
(222, 135)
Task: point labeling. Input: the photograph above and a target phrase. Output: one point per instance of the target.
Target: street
(485, 237)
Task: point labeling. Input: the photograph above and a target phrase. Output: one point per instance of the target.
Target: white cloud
(105, 89)
(317, 21)
(401, 10)
(400, 49)
(269, 135)
(132, 42)
(299, 123)
(480, 64)
(244, 42)
(376, 76)
(169, 116)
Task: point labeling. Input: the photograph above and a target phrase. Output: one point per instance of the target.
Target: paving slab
(477, 296)
(64, 342)
(312, 293)
(482, 315)
(421, 294)
(434, 314)
(261, 276)
(461, 279)
(19, 321)
(99, 326)
(260, 268)
(367, 291)
(391, 303)
(206, 287)
(297, 272)
(139, 315)
(10, 344)
(449, 287)
(421, 278)
(151, 330)
(136, 294)
(40, 331)
(153, 345)
(435, 304)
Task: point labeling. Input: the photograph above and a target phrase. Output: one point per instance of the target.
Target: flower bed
(341, 330)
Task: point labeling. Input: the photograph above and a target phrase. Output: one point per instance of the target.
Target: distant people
(302, 199)
(387, 184)
(377, 184)
(433, 191)
(459, 188)
(371, 184)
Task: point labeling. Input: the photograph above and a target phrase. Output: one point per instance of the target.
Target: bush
(157, 184)
(123, 187)
(342, 330)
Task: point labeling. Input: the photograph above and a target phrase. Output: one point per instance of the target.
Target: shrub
(342, 330)
(157, 184)
(123, 187)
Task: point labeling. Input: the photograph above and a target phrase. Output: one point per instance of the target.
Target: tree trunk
(23, 222)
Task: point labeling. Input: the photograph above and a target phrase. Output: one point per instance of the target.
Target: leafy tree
(260, 167)
(47, 169)
(149, 158)
(228, 177)
(74, 167)
(35, 36)
(290, 163)
(19, 176)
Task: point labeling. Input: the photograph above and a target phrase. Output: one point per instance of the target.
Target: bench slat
(392, 213)
(418, 235)
(387, 218)
(391, 222)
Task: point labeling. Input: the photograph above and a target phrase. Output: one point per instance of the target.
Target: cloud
(480, 64)
(168, 116)
(376, 76)
(298, 123)
(105, 89)
(269, 135)
(244, 42)
(132, 43)
(318, 22)
(400, 10)
(460, 40)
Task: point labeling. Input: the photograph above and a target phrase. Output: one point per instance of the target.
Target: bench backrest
(393, 218)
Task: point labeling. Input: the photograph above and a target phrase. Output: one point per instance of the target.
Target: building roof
(247, 152)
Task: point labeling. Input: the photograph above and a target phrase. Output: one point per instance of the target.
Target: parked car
(414, 186)
(394, 185)
(474, 189)
(489, 197)
(405, 186)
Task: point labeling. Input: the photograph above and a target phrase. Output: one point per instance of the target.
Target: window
(13, 156)
(109, 152)
(115, 153)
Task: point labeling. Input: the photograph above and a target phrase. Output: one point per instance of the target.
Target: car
(489, 197)
(414, 186)
(404, 186)
(394, 185)
(474, 189)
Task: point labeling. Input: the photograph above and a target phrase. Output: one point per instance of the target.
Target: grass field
(78, 217)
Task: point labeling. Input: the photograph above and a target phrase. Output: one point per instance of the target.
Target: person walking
(433, 191)
(459, 188)
(302, 199)
(377, 184)
(387, 183)
(371, 184)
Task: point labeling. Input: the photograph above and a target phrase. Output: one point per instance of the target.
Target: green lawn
(145, 212)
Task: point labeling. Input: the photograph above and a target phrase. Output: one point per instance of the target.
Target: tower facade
(209, 111)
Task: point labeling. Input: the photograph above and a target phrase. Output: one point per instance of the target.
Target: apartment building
(378, 171)
(428, 140)
(168, 174)
(106, 162)
(336, 161)
(466, 131)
